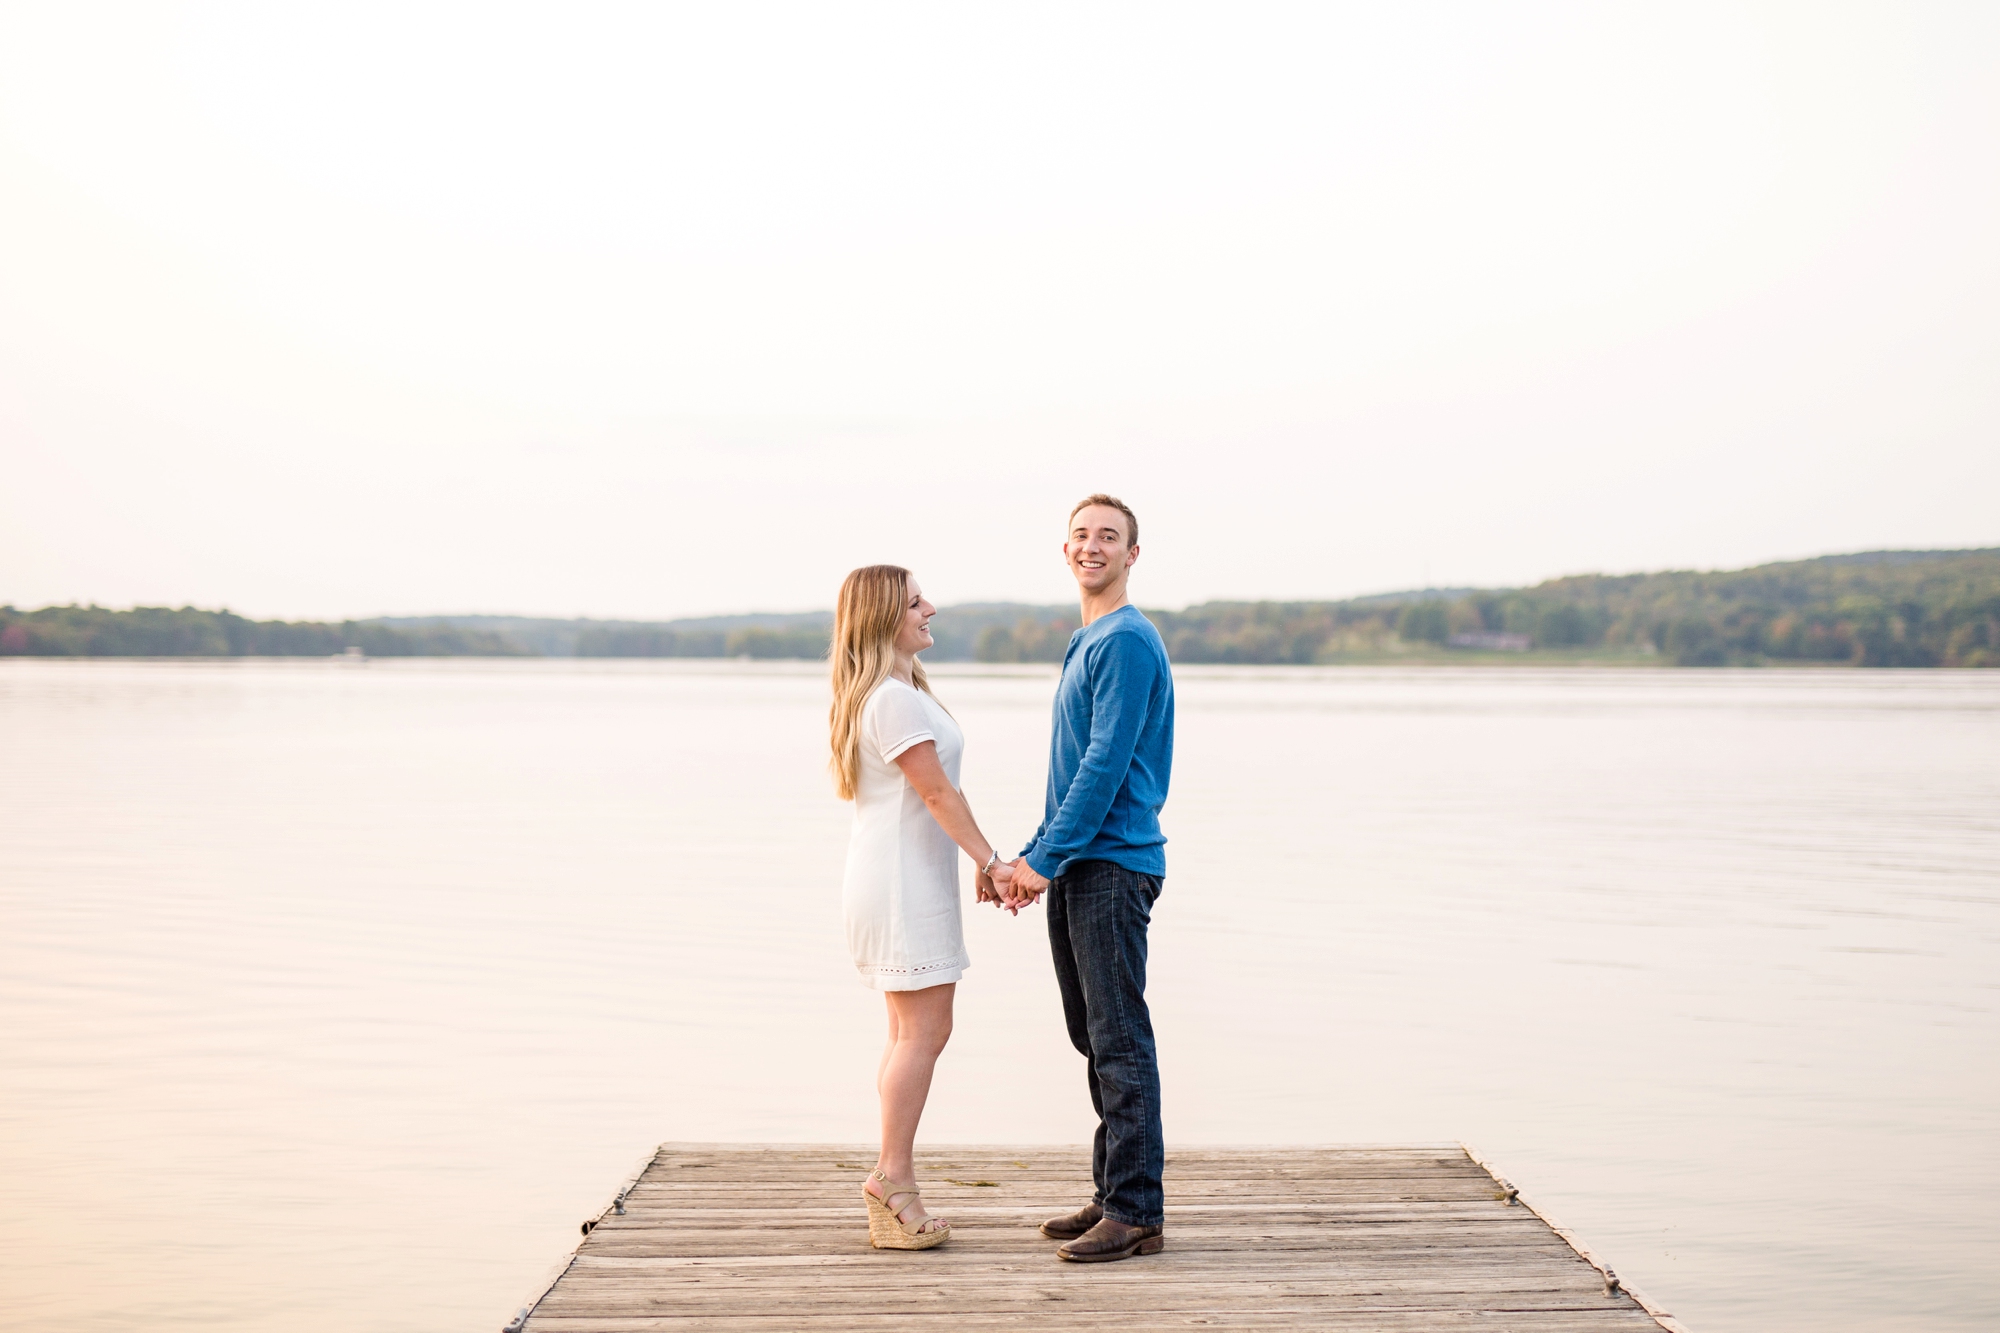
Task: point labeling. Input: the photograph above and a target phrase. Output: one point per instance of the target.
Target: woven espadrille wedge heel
(886, 1231)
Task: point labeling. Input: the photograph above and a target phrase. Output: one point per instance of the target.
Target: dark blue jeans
(1098, 914)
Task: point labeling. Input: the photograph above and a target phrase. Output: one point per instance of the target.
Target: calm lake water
(334, 997)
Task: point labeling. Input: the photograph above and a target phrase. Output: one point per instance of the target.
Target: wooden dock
(759, 1239)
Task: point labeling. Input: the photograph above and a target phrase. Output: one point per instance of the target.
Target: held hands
(996, 887)
(1025, 887)
(1011, 885)
(990, 893)
(1002, 886)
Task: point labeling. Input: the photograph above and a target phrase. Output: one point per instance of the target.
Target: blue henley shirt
(1111, 750)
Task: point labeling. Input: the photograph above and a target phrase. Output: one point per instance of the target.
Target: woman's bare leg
(888, 1049)
(919, 1027)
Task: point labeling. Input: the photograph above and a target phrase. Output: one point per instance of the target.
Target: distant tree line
(763, 642)
(1882, 609)
(1027, 640)
(1308, 632)
(158, 631)
(1886, 608)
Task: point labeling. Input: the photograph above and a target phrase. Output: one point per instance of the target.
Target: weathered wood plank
(1238, 1257)
(1242, 1256)
(1249, 1239)
(1490, 1289)
(978, 1184)
(1161, 1299)
(1629, 1319)
(764, 1237)
(1002, 1204)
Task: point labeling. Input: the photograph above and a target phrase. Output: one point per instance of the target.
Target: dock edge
(1512, 1194)
(617, 1205)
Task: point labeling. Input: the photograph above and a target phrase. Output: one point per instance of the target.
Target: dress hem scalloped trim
(921, 977)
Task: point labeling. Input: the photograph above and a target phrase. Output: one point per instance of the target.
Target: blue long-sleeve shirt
(1111, 752)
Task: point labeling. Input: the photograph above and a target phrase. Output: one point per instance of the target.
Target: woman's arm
(923, 771)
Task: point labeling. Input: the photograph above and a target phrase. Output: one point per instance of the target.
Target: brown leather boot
(1111, 1239)
(1071, 1225)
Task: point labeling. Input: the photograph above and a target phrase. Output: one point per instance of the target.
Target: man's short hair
(1111, 502)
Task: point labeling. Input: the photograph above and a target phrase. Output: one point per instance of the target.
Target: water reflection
(334, 997)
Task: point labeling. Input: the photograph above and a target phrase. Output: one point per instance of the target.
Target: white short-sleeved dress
(900, 895)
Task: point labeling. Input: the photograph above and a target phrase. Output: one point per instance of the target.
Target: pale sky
(659, 310)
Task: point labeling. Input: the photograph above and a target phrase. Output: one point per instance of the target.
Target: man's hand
(1026, 888)
(996, 887)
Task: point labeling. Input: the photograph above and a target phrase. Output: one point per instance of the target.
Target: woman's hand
(1002, 874)
(999, 894)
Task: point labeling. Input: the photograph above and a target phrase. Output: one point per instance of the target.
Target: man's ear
(1131, 556)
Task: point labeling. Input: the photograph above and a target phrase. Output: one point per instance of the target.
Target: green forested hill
(158, 631)
(1880, 608)
(1883, 608)
(1877, 609)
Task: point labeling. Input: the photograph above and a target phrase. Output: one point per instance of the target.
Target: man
(1100, 856)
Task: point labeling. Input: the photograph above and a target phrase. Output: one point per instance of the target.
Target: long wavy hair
(865, 623)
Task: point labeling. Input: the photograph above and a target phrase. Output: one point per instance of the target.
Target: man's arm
(1120, 688)
(1040, 829)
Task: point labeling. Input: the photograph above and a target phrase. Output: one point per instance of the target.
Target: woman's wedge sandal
(887, 1231)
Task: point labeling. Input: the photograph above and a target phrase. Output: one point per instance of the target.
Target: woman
(895, 755)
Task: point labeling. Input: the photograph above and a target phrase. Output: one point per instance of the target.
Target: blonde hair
(865, 623)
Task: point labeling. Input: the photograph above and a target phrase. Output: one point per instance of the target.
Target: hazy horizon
(827, 607)
(653, 314)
